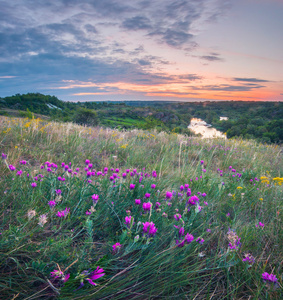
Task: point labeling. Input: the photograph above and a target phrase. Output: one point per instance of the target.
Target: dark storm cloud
(249, 79)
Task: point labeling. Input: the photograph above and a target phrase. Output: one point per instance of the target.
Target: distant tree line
(262, 121)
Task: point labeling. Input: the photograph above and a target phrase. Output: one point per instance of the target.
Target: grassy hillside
(93, 213)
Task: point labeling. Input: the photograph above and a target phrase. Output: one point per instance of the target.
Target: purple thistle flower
(180, 244)
(177, 217)
(124, 175)
(51, 203)
(146, 206)
(249, 258)
(4, 156)
(87, 161)
(204, 194)
(157, 204)
(128, 220)
(132, 186)
(181, 232)
(95, 275)
(63, 213)
(116, 247)
(19, 173)
(12, 168)
(88, 213)
(189, 238)
(181, 188)
(149, 227)
(169, 195)
(23, 162)
(189, 192)
(58, 192)
(95, 198)
(269, 277)
(56, 274)
(153, 186)
(33, 184)
(138, 201)
(200, 240)
(147, 195)
(201, 162)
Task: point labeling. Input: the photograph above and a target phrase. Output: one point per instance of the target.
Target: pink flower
(147, 206)
(177, 217)
(63, 213)
(138, 201)
(95, 198)
(51, 203)
(169, 195)
(116, 247)
(95, 275)
(269, 277)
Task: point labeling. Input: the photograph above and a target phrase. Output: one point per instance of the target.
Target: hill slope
(92, 213)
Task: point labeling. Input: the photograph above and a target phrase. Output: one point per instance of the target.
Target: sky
(170, 50)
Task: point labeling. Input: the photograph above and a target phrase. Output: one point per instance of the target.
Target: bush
(86, 116)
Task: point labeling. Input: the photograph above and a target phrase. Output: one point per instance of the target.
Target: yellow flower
(239, 187)
(261, 199)
(16, 147)
(124, 146)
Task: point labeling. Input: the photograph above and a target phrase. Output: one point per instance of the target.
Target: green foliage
(27, 114)
(85, 116)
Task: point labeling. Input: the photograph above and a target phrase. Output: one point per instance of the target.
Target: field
(92, 213)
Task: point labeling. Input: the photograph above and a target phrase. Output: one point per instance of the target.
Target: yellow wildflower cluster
(278, 180)
(264, 179)
(7, 130)
(239, 188)
(124, 146)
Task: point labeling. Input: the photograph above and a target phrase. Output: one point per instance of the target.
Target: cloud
(249, 79)
(212, 57)
(227, 88)
(137, 23)
(45, 42)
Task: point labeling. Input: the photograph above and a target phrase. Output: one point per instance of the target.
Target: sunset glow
(140, 50)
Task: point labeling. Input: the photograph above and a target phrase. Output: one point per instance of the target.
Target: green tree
(85, 116)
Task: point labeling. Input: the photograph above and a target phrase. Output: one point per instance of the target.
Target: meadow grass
(75, 233)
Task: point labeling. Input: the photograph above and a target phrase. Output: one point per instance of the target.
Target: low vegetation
(94, 213)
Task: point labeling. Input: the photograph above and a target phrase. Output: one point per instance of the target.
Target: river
(200, 126)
